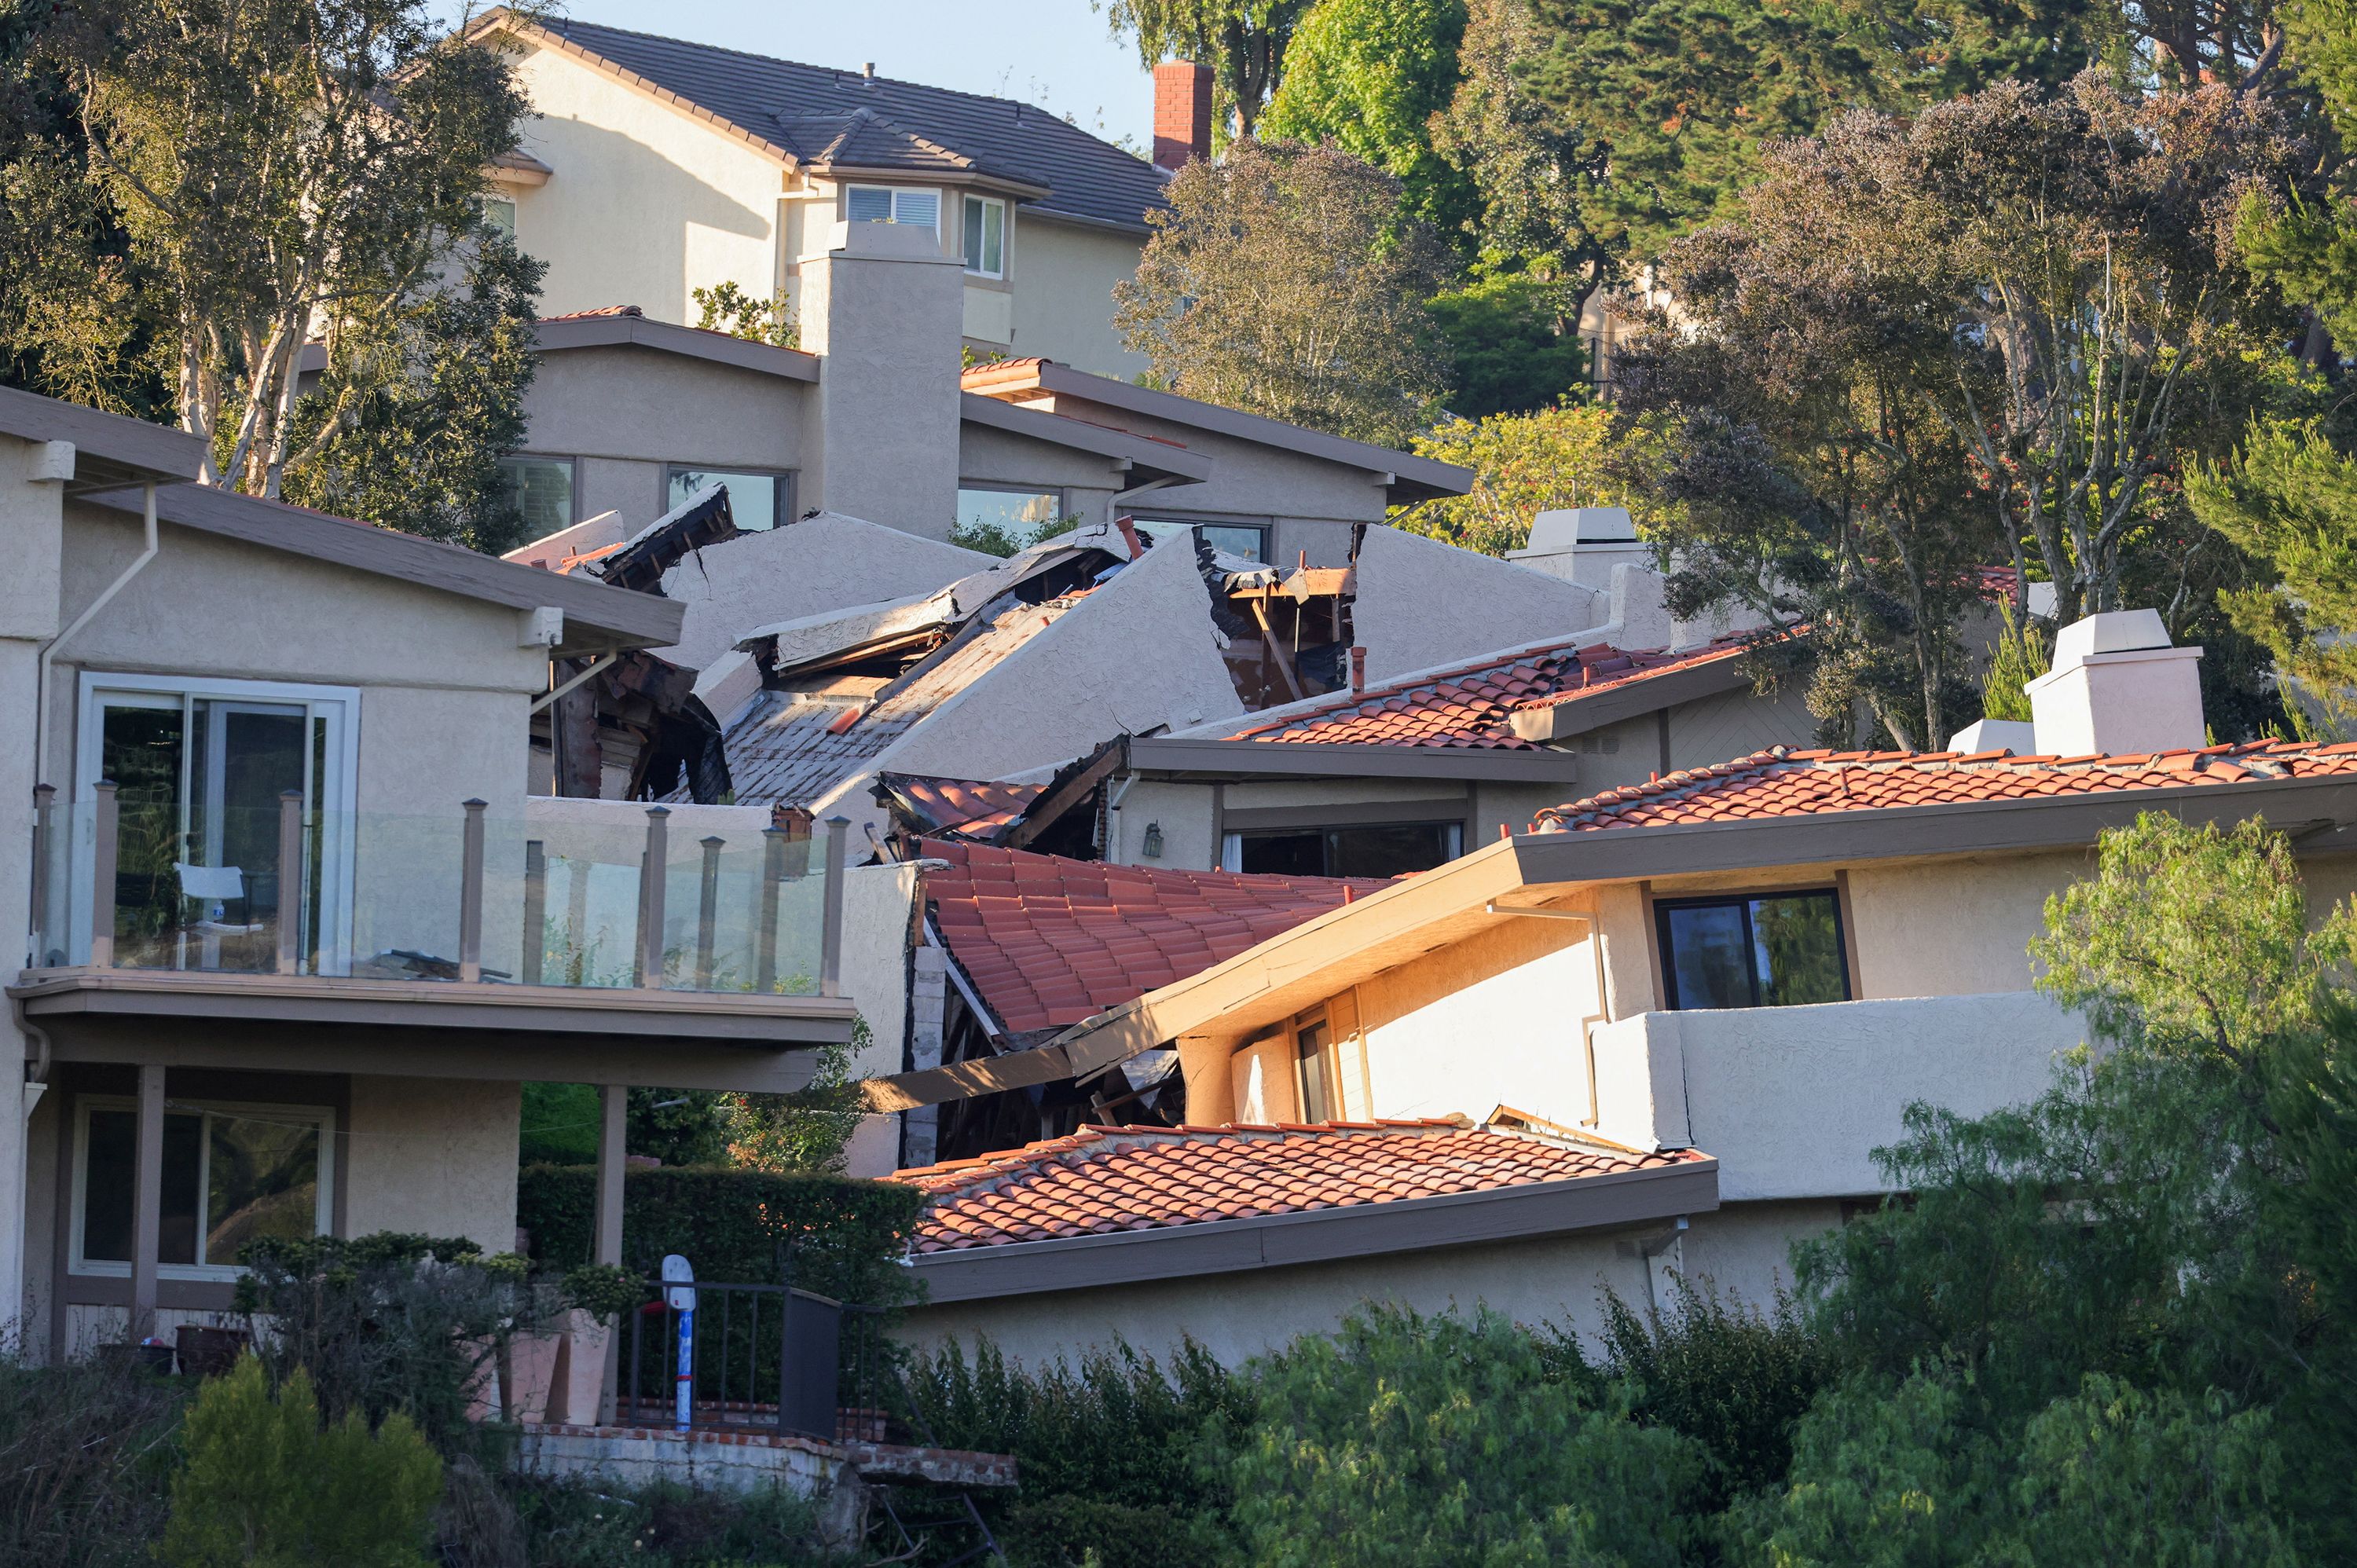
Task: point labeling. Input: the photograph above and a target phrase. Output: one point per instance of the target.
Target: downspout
(90, 613)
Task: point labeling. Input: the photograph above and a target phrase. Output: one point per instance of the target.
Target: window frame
(336, 798)
(489, 199)
(985, 203)
(1232, 839)
(1264, 527)
(1329, 1060)
(783, 481)
(892, 194)
(1013, 487)
(1663, 907)
(572, 462)
(78, 1262)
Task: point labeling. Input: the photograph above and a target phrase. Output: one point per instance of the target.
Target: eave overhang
(1166, 758)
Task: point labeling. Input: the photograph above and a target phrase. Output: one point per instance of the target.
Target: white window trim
(892, 194)
(337, 796)
(987, 202)
(322, 1115)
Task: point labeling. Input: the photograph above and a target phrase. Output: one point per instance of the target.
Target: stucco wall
(999, 459)
(1794, 1100)
(435, 1156)
(1954, 928)
(1241, 1314)
(645, 201)
(628, 411)
(1422, 604)
(1062, 276)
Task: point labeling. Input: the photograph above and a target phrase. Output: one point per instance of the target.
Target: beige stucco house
(653, 167)
(1766, 961)
(297, 933)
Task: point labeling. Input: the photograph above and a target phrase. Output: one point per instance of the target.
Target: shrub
(577, 1524)
(733, 1225)
(1409, 1440)
(266, 1485)
(85, 1452)
(390, 1323)
(1106, 1449)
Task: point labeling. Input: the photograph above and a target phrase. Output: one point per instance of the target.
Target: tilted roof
(973, 807)
(805, 112)
(1102, 1180)
(1474, 707)
(1047, 942)
(1782, 783)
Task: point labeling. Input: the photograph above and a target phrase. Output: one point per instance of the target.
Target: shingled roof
(1047, 942)
(1473, 707)
(808, 112)
(1102, 1180)
(1782, 783)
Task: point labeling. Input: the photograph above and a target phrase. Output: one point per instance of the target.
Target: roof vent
(2119, 688)
(868, 70)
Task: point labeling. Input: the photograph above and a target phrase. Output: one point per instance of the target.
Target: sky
(1059, 54)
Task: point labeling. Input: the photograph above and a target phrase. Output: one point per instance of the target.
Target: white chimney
(1583, 543)
(2118, 687)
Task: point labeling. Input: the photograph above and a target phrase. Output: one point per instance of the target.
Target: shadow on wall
(605, 183)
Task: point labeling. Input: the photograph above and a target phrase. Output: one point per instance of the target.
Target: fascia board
(1038, 425)
(1170, 757)
(1630, 698)
(1443, 478)
(1359, 1230)
(150, 452)
(1611, 855)
(667, 337)
(618, 618)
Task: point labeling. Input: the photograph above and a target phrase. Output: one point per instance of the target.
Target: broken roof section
(970, 808)
(1045, 942)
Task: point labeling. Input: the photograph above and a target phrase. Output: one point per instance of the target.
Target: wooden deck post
(147, 1201)
(607, 1241)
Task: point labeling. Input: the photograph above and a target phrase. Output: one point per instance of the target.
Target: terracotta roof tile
(1049, 942)
(1474, 707)
(971, 807)
(1103, 1179)
(1782, 783)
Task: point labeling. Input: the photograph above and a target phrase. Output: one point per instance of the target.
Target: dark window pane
(1797, 944)
(1709, 963)
(1317, 1090)
(1391, 850)
(107, 1178)
(1284, 854)
(263, 1180)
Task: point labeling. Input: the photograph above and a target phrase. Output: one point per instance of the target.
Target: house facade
(296, 932)
(653, 167)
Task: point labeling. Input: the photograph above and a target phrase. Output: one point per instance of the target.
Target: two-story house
(653, 167)
(296, 934)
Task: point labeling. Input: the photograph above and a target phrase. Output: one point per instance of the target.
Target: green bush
(266, 1486)
(391, 1323)
(1409, 1440)
(1106, 1448)
(733, 1225)
(581, 1524)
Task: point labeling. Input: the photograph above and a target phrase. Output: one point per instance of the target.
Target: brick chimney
(1183, 112)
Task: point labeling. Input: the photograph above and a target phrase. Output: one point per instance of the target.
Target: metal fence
(760, 1359)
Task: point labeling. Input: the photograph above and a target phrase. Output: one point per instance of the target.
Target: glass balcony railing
(538, 899)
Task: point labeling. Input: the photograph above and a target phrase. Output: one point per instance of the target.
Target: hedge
(730, 1224)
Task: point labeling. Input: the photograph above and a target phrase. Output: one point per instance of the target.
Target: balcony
(537, 921)
(1793, 1101)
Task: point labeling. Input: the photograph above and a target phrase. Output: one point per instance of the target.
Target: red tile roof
(974, 807)
(1105, 1179)
(599, 314)
(1474, 707)
(1049, 942)
(1782, 783)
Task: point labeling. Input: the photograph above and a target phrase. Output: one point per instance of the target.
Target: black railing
(764, 1359)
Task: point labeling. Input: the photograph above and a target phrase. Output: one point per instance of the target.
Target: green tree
(1243, 42)
(1283, 280)
(266, 1486)
(1367, 76)
(280, 173)
(726, 307)
(1514, 349)
(1411, 1440)
(1523, 464)
(805, 1130)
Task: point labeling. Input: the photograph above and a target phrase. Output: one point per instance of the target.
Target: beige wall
(1063, 276)
(433, 1156)
(646, 203)
(998, 459)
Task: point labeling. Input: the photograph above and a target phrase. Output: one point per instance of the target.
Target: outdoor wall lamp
(1153, 841)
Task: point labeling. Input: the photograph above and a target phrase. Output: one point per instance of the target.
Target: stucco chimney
(885, 312)
(2118, 687)
(1583, 543)
(1183, 112)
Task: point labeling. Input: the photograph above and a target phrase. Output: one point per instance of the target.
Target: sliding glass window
(1780, 950)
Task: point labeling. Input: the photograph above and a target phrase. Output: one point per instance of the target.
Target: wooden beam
(147, 1201)
(1277, 649)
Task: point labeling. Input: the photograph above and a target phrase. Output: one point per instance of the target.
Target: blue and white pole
(679, 1292)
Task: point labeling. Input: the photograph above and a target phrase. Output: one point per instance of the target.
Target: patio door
(198, 772)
